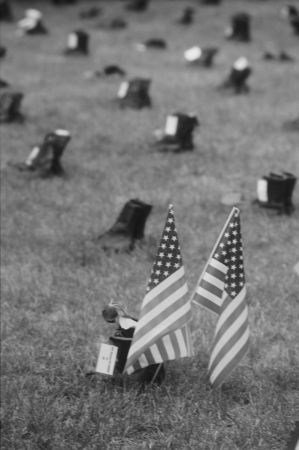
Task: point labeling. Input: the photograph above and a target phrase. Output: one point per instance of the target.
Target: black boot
(128, 227)
(44, 160)
(2, 51)
(63, 2)
(77, 43)
(292, 15)
(10, 104)
(32, 23)
(145, 211)
(240, 28)
(291, 125)
(178, 133)
(134, 93)
(236, 81)
(187, 17)
(5, 11)
(271, 192)
(211, 2)
(201, 56)
(90, 13)
(58, 142)
(138, 5)
(290, 181)
(3, 83)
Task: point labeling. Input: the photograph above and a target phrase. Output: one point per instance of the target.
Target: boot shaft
(5, 11)
(138, 5)
(240, 24)
(132, 219)
(290, 182)
(238, 78)
(10, 105)
(145, 211)
(187, 16)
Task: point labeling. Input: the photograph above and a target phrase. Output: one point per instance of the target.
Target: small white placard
(262, 190)
(33, 154)
(72, 41)
(193, 54)
(33, 14)
(60, 132)
(171, 125)
(123, 89)
(241, 63)
(106, 359)
(296, 268)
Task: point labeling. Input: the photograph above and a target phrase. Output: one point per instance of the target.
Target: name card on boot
(262, 190)
(123, 89)
(106, 359)
(193, 54)
(171, 125)
(72, 41)
(32, 156)
(60, 132)
(241, 63)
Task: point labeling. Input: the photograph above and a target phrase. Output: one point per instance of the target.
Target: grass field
(55, 277)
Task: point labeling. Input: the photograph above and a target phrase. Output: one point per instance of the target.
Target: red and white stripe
(172, 346)
(165, 309)
(231, 341)
(209, 292)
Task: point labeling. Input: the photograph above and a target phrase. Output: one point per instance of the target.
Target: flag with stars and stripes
(225, 263)
(222, 290)
(162, 331)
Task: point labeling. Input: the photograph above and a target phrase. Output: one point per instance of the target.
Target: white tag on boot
(61, 132)
(32, 156)
(193, 54)
(106, 359)
(72, 41)
(241, 63)
(123, 89)
(262, 190)
(171, 125)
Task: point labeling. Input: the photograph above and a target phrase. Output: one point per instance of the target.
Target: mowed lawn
(56, 279)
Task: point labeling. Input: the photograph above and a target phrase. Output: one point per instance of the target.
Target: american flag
(162, 332)
(222, 289)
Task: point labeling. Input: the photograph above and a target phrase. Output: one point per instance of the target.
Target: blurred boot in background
(178, 133)
(10, 104)
(6, 11)
(240, 28)
(78, 43)
(236, 81)
(45, 160)
(128, 227)
(134, 93)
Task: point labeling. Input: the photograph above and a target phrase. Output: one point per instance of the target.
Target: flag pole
(156, 373)
(215, 246)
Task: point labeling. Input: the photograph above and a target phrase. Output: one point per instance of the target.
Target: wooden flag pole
(156, 373)
(215, 246)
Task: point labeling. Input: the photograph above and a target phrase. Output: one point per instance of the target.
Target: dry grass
(56, 279)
